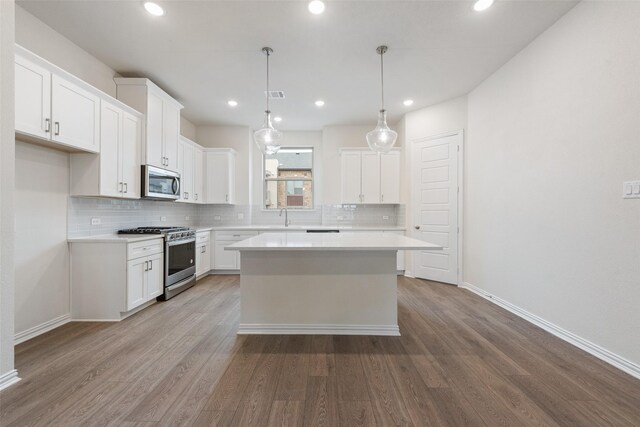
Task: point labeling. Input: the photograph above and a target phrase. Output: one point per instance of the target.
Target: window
(288, 179)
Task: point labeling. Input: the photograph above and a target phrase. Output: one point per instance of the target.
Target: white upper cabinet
(162, 115)
(115, 172)
(390, 177)
(220, 172)
(198, 174)
(369, 177)
(54, 107)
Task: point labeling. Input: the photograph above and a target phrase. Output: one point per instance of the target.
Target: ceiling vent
(275, 94)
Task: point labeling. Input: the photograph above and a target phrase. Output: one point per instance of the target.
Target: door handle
(146, 266)
(47, 125)
(417, 227)
(57, 126)
(151, 265)
(126, 187)
(121, 187)
(226, 197)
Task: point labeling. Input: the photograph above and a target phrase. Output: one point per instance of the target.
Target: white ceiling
(206, 52)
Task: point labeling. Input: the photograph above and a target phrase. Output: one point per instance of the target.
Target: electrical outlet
(216, 218)
(163, 218)
(187, 218)
(340, 217)
(240, 216)
(385, 216)
(631, 190)
(96, 221)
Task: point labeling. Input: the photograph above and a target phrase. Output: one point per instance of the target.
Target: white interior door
(435, 200)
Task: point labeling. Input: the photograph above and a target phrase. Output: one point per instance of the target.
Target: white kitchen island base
(321, 284)
(319, 292)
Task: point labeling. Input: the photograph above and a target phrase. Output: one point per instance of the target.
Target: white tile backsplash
(116, 214)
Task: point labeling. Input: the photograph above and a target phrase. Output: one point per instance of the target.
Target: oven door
(179, 260)
(160, 183)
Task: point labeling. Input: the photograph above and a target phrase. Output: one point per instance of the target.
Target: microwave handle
(176, 186)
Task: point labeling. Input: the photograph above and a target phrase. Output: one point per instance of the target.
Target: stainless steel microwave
(160, 184)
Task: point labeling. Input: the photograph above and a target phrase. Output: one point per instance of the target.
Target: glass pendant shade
(267, 138)
(382, 138)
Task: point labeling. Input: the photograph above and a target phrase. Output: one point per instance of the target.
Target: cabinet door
(217, 183)
(390, 177)
(370, 177)
(350, 170)
(171, 115)
(33, 98)
(155, 277)
(110, 144)
(224, 260)
(187, 174)
(136, 277)
(206, 258)
(75, 115)
(130, 155)
(198, 175)
(154, 131)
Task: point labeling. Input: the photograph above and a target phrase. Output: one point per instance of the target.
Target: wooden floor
(460, 361)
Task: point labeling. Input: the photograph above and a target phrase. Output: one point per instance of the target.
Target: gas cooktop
(153, 230)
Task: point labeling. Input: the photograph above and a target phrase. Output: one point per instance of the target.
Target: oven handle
(180, 242)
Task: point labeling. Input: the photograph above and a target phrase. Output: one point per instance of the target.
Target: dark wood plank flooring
(460, 361)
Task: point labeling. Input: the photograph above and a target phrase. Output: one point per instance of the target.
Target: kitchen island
(321, 283)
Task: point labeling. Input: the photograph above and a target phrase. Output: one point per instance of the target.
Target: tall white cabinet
(220, 172)
(162, 119)
(368, 177)
(115, 172)
(53, 107)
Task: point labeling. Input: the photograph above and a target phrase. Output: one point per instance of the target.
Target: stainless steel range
(179, 257)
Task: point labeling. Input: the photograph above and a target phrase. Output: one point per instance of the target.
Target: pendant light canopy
(382, 139)
(267, 138)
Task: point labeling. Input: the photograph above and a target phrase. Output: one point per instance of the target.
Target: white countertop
(330, 242)
(302, 227)
(114, 238)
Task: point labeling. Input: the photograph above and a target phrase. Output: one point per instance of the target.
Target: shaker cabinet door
(33, 99)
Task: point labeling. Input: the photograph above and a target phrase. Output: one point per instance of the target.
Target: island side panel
(319, 292)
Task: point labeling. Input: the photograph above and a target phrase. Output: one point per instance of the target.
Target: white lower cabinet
(203, 253)
(228, 260)
(110, 277)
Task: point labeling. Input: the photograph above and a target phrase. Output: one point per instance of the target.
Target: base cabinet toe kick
(320, 285)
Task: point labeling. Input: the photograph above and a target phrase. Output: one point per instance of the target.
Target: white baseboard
(8, 379)
(33, 332)
(318, 329)
(601, 353)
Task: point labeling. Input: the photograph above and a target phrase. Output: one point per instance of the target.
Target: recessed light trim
(319, 103)
(408, 102)
(277, 119)
(153, 8)
(481, 5)
(316, 7)
(232, 103)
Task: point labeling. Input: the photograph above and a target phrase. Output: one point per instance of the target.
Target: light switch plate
(631, 190)
(163, 218)
(187, 218)
(96, 221)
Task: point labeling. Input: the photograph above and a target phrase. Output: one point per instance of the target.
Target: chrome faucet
(286, 216)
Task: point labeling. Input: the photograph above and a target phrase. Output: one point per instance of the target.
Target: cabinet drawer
(144, 248)
(203, 236)
(234, 235)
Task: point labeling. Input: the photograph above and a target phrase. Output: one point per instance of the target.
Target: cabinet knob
(417, 227)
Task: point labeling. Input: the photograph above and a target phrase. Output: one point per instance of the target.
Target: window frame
(265, 180)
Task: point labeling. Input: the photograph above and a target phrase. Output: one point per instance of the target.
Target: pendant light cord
(268, 53)
(382, 77)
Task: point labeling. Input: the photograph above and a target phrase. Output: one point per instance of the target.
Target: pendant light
(267, 138)
(381, 139)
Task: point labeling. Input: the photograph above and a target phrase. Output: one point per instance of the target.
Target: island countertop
(330, 242)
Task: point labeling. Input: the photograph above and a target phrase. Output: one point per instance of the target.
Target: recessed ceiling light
(408, 102)
(153, 8)
(481, 5)
(316, 7)
(232, 103)
(319, 103)
(277, 119)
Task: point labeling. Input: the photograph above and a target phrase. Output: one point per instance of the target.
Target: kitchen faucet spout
(286, 216)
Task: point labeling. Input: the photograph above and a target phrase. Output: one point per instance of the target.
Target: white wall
(44, 41)
(7, 164)
(445, 117)
(41, 250)
(187, 129)
(238, 138)
(552, 136)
